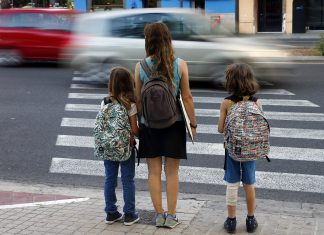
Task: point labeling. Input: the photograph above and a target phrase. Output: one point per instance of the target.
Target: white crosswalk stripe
(87, 87)
(213, 176)
(290, 116)
(266, 180)
(262, 92)
(80, 79)
(285, 153)
(296, 133)
(212, 100)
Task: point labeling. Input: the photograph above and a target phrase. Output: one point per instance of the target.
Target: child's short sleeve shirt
(133, 110)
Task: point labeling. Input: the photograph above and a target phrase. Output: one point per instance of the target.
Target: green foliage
(320, 45)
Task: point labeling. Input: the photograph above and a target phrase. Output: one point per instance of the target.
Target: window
(133, 26)
(187, 26)
(36, 21)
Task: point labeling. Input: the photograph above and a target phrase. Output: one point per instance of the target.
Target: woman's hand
(194, 132)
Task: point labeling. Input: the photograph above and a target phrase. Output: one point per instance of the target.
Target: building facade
(286, 16)
(254, 16)
(242, 16)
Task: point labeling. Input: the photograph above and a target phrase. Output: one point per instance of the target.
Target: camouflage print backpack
(112, 132)
(247, 131)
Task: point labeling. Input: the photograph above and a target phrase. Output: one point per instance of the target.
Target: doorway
(315, 14)
(269, 15)
(200, 4)
(150, 3)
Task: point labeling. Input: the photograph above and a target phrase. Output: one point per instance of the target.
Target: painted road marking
(263, 91)
(295, 133)
(88, 87)
(272, 102)
(289, 116)
(200, 175)
(55, 202)
(208, 100)
(78, 79)
(277, 152)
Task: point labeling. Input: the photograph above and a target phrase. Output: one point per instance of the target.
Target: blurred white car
(106, 39)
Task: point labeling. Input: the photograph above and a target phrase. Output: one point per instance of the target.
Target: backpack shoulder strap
(146, 68)
(254, 99)
(106, 100)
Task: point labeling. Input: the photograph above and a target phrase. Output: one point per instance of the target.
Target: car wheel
(218, 75)
(96, 73)
(104, 73)
(9, 57)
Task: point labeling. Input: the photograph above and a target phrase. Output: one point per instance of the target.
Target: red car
(34, 34)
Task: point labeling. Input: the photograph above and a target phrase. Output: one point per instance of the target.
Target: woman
(169, 142)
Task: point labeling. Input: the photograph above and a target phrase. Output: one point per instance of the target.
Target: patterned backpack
(247, 131)
(112, 132)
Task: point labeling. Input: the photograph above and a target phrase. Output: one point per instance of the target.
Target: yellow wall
(289, 10)
(247, 22)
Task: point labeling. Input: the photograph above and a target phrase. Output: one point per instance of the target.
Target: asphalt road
(33, 105)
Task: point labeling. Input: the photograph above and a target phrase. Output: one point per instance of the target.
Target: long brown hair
(158, 45)
(121, 86)
(240, 80)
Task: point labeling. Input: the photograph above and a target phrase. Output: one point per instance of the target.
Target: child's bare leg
(231, 198)
(231, 211)
(250, 198)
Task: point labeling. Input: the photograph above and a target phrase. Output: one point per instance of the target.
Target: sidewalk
(309, 34)
(80, 211)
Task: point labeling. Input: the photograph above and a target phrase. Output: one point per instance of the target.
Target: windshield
(41, 21)
(194, 25)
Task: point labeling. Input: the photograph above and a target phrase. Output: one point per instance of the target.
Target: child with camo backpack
(240, 82)
(122, 106)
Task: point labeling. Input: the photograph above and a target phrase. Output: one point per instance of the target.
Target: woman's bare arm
(186, 94)
(138, 86)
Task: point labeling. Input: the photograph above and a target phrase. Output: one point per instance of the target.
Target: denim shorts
(233, 171)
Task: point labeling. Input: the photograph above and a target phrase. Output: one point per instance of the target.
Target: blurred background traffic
(92, 38)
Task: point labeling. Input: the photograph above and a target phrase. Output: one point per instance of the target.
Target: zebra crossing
(83, 102)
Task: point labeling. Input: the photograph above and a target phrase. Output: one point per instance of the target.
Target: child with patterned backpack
(240, 114)
(115, 127)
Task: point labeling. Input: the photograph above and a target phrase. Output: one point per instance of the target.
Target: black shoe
(130, 219)
(113, 217)
(251, 224)
(230, 225)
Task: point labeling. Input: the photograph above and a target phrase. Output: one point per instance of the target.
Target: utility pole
(237, 16)
(181, 3)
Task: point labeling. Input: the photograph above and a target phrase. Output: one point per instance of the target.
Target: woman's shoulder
(179, 60)
(181, 63)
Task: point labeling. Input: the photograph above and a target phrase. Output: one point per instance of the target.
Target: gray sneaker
(160, 220)
(171, 221)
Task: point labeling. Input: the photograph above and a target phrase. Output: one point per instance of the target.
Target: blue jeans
(127, 169)
(239, 171)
